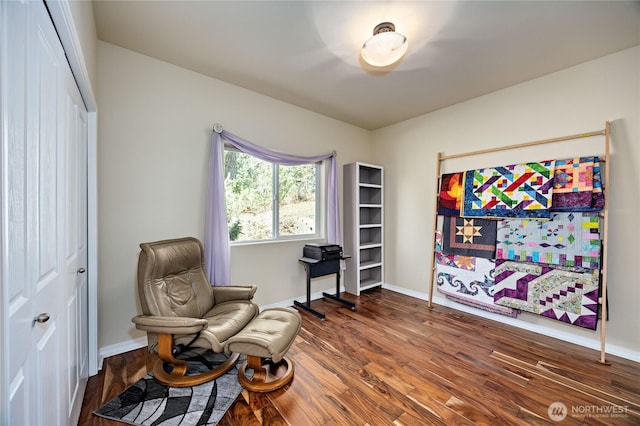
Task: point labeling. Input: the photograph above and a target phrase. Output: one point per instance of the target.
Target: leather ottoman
(265, 341)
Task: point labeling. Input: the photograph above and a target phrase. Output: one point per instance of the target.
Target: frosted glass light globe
(385, 47)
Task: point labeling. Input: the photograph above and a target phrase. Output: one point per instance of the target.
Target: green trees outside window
(251, 188)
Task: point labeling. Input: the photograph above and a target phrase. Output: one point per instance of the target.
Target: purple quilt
(577, 185)
(564, 294)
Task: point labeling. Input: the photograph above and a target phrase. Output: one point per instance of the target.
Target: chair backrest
(171, 279)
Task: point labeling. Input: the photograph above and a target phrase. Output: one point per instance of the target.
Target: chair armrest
(169, 325)
(223, 294)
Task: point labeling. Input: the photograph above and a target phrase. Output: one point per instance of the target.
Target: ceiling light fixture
(385, 47)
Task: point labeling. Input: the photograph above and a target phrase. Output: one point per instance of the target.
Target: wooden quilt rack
(604, 213)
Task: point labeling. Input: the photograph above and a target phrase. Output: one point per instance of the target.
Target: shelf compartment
(370, 277)
(370, 236)
(370, 215)
(370, 175)
(370, 195)
(370, 257)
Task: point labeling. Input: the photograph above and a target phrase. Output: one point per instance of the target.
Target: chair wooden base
(267, 376)
(177, 377)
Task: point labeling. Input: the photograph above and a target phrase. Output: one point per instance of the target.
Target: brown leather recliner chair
(180, 307)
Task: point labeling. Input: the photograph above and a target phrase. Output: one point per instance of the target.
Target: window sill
(305, 239)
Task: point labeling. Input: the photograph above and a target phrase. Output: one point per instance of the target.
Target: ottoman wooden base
(267, 376)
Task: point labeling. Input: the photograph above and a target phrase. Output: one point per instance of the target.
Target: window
(251, 188)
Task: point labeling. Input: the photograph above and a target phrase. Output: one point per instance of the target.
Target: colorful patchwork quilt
(468, 280)
(450, 195)
(453, 260)
(469, 236)
(564, 294)
(568, 239)
(577, 185)
(519, 190)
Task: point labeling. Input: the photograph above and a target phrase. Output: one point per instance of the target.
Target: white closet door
(44, 298)
(73, 133)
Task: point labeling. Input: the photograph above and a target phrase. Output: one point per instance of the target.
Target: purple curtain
(216, 239)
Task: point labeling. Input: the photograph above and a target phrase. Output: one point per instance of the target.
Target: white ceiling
(306, 53)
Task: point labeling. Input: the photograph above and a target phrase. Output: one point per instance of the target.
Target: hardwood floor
(394, 361)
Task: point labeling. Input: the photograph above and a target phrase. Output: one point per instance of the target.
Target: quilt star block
(469, 236)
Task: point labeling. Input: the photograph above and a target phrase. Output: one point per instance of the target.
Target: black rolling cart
(319, 268)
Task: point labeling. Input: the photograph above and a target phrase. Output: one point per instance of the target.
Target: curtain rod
(217, 127)
(523, 145)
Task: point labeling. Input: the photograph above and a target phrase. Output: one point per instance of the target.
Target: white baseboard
(591, 343)
(141, 342)
(119, 348)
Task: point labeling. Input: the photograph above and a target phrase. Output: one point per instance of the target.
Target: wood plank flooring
(394, 361)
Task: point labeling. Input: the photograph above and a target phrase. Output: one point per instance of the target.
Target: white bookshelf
(363, 200)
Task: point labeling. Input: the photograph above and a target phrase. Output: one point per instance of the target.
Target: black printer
(319, 251)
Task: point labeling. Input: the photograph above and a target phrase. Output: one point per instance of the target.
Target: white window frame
(320, 217)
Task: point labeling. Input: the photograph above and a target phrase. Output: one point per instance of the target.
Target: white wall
(154, 137)
(572, 101)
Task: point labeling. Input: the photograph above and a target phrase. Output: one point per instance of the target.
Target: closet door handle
(42, 318)
(82, 271)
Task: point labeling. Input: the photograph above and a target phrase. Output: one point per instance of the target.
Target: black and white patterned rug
(147, 402)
